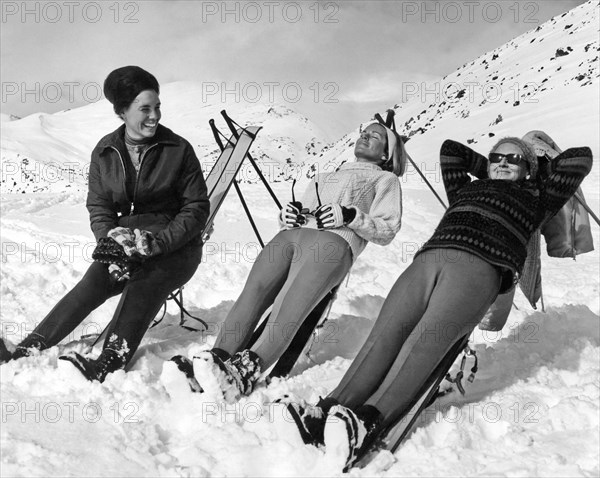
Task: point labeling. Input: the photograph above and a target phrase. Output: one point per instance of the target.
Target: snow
(533, 409)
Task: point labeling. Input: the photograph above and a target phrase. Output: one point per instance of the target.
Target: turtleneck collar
(360, 165)
(129, 141)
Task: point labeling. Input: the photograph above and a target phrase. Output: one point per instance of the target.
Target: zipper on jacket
(124, 174)
(137, 179)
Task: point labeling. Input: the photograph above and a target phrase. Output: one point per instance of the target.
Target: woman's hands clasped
(136, 245)
(137, 242)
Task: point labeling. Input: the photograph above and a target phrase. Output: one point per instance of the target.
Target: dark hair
(123, 85)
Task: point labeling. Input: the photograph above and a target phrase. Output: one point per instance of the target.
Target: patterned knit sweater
(494, 219)
(374, 194)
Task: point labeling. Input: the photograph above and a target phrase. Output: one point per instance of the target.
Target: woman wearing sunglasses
(321, 237)
(477, 251)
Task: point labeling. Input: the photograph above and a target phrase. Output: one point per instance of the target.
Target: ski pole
(426, 181)
(390, 123)
(317, 191)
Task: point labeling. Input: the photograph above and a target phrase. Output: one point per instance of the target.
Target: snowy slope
(533, 409)
(50, 152)
(531, 82)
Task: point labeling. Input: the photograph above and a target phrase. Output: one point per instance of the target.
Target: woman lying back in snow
(322, 236)
(477, 251)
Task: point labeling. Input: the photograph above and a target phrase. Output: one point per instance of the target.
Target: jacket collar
(116, 139)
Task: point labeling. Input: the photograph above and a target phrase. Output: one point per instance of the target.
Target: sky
(340, 60)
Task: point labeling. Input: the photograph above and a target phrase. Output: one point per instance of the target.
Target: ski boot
(33, 342)
(5, 354)
(348, 435)
(97, 369)
(236, 375)
(308, 420)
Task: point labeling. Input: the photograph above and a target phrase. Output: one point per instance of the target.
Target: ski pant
(440, 298)
(142, 296)
(294, 271)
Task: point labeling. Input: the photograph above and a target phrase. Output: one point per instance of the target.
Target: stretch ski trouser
(294, 271)
(142, 297)
(440, 297)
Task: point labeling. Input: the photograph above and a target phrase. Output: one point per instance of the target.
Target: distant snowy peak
(51, 152)
(561, 53)
(547, 78)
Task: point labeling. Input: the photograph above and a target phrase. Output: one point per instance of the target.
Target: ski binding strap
(467, 352)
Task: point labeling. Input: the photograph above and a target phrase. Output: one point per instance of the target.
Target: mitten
(145, 243)
(125, 238)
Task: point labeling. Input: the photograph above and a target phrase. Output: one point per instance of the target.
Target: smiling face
(372, 144)
(504, 170)
(141, 117)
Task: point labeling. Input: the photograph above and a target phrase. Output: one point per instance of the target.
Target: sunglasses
(515, 159)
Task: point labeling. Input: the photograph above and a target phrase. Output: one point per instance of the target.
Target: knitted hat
(528, 152)
(396, 162)
(123, 85)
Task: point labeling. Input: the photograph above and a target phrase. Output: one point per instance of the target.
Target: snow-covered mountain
(525, 84)
(535, 81)
(50, 152)
(533, 409)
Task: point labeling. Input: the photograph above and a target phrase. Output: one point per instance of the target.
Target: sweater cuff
(348, 214)
(355, 213)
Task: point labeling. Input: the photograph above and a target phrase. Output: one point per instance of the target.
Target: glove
(334, 215)
(125, 238)
(291, 215)
(145, 244)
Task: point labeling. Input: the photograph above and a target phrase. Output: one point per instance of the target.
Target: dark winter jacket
(495, 219)
(167, 197)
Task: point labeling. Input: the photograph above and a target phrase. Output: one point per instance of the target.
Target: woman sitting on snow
(359, 203)
(148, 205)
(477, 251)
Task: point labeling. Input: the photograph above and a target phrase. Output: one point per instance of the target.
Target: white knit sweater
(374, 194)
